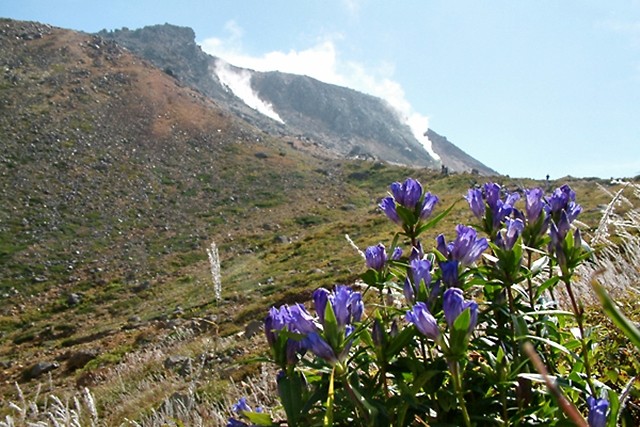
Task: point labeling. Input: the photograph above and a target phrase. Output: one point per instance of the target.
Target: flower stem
(456, 374)
(579, 313)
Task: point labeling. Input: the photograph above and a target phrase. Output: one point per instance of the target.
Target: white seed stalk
(214, 261)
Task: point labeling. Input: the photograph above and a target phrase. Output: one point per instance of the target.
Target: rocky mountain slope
(342, 121)
(114, 179)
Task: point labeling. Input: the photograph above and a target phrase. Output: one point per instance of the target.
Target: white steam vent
(238, 81)
(419, 125)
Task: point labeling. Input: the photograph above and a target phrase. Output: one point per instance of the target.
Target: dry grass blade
(567, 407)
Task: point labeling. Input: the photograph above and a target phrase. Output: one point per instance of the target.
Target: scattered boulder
(182, 365)
(74, 299)
(38, 370)
(79, 359)
(177, 401)
(253, 328)
(281, 239)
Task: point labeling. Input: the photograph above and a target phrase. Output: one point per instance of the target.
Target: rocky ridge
(340, 121)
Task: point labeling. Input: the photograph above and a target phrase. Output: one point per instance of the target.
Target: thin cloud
(352, 6)
(322, 61)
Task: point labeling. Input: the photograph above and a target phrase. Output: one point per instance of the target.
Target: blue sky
(530, 88)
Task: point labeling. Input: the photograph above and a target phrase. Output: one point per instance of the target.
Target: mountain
(114, 180)
(340, 121)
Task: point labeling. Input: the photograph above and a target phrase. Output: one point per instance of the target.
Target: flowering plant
(440, 339)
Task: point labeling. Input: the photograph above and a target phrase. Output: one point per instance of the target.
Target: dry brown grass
(616, 244)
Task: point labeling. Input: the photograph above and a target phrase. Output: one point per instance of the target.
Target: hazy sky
(528, 87)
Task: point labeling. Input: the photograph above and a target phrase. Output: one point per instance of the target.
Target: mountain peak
(342, 121)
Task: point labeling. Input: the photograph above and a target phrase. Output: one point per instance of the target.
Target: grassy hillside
(115, 180)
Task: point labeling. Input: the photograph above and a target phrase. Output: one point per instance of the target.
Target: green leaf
(520, 324)
(406, 216)
(331, 329)
(370, 277)
(290, 389)
(328, 415)
(458, 335)
(258, 418)
(539, 265)
(370, 411)
(462, 322)
(549, 283)
(399, 342)
(435, 220)
(614, 313)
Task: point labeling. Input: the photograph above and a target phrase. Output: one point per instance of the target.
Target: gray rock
(79, 359)
(39, 369)
(182, 365)
(281, 239)
(253, 328)
(74, 299)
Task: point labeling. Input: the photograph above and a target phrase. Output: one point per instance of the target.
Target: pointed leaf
(614, 313)
(258, 418)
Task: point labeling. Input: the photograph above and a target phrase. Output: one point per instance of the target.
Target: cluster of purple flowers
(408, 197)
(498, 208)
(346, 308)
(291, 330)
(505, 223)
(240, 408)
(453, 304)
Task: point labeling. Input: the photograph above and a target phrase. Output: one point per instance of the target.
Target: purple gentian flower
(319, 347)
(467, 247)
(428, 204)
(476, 203)
(563, 199)
(416, 252)
(241, 406)
(294, 319)
(232, 422)
(377, 333)
(442, 246)
(320, 299)
(508, 239)
(491, 193)
(419, 271)
(499, 209)
(454, 304)
(301, 321)
(347, 305)
(424, 321)
(376, 257)
(408, 193)
(560, 198)
(533, 204)
(388, 206)
(275, 321)
(409, 291)
(597, 412)
(397, 253)
(449, 271)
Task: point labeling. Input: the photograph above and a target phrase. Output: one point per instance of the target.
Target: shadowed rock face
(343, 122)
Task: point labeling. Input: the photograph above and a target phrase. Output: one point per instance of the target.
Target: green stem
(532, 300)
(579, 313)
(456, 374)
